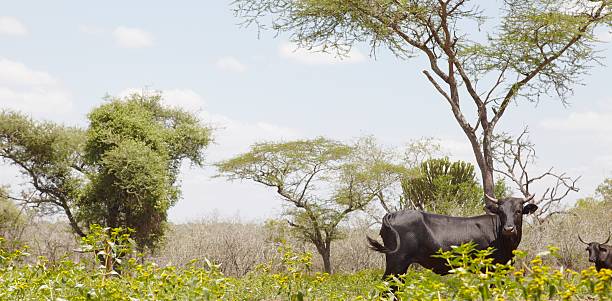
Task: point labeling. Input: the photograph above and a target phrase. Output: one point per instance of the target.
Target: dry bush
(352, 253)
(236, 246)
(53, 240)
(592, 223)
(240, 247)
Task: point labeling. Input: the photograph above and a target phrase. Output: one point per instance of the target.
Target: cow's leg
(395, 265)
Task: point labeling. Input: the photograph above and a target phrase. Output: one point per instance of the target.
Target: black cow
(412, 236)
(599, 253)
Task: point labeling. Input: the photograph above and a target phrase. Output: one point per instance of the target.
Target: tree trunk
(484, 158)
(488, 185)
(72, 221)
(326, 255)
(324, 250)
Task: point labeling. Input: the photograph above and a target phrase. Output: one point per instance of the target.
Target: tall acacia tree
(539, 47)
(119, 172)
(320, 180)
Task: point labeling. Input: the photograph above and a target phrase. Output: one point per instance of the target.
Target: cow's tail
(378, 247)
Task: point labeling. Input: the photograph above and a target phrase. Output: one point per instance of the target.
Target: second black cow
(412, 236)
(599, 253)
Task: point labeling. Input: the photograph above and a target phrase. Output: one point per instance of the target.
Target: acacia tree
(49, 156)
(119, 172)
(539, 47)
(383, 169)
(319, 180)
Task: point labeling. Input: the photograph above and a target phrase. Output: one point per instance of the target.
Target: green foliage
(108, 247)
(120, 171)
(320, 180)
(135, 146)
(49, 156)
(501, 189)
(546, 43)
(602, 198)
(534, 48)
(12, 220)
(604, 190)
(444, 187)
(473, 278)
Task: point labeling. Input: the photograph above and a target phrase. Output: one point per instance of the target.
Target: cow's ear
(493, 208)
(530, 208)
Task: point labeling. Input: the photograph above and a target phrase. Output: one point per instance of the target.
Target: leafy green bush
(473, 277)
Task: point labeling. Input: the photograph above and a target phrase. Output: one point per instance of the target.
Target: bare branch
(513, 156)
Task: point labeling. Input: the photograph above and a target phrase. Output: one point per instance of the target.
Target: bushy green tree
(119, 172)
(530, 48)
(134, 147)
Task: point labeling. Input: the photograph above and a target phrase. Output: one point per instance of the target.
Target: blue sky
(59, 58)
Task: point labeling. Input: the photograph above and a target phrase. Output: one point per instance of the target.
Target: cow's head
(510, 212)
(597, 251)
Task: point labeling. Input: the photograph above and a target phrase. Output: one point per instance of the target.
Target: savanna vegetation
(92, 221)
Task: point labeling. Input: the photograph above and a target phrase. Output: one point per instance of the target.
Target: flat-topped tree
(320, 180)
(539, 47)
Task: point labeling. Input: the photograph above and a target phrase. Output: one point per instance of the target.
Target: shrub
(473, 277)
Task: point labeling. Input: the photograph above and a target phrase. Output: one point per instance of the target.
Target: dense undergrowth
(115, 272)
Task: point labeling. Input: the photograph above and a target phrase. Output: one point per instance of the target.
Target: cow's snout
(509, 230)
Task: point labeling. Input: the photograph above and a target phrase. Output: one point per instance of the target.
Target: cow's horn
(607, 240)
(582, 241)
(529, 198)
(492, 199)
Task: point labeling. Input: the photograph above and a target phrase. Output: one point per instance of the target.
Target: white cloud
(231, 64)
(32, 91)
(457, 149)
(15, 73)
(128, 37)
(12, 26)
(590, 121)
(183, 98)
(316, 56)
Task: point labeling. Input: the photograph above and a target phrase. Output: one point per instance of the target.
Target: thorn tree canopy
(538, 47)
(321, 181)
